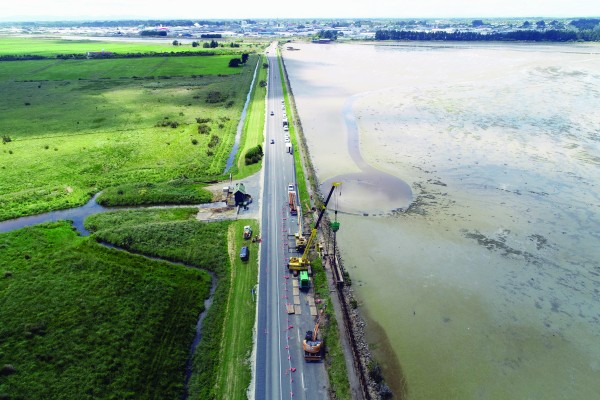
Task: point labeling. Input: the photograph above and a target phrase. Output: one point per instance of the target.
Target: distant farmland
(73, 127)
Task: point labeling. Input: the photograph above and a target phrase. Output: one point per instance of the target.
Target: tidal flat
(482, 281)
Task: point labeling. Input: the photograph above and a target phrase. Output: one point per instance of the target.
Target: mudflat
(477, 268)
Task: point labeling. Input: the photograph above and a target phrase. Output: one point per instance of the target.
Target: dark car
(244, 253)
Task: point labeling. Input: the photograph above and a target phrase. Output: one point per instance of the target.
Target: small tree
(234, 62)
(206, 45)
(244, 58)
(175, 43)
(195, 44)
(213, 44)
(265, 65)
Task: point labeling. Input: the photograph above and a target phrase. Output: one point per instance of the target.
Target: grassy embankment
(81, 321)
(221, 368)
(335, 361)
(253, 130)
(85, 125)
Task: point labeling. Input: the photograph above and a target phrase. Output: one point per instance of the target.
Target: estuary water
(484, 282)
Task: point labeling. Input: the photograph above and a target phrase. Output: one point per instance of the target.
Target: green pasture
(221, 364)
(71, 138)
(82, 321)
(50, 47)
(179, 191)
(155, 67)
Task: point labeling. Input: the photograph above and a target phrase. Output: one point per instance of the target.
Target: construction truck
(247, 232)
(292, 203)
(302, 263)
(312, 346)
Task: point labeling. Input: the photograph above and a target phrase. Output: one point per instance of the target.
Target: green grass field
(156, 67)
(149, 131)
(81, 321)
(221, 367)
(72, 138)
(50, 47)
(179, 191)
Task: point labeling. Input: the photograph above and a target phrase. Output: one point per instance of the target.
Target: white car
(291, 187)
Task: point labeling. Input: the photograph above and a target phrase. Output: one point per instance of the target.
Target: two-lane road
(281, 372)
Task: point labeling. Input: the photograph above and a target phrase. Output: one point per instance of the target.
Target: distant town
(573, 29)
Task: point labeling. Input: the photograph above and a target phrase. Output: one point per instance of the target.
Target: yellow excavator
(302, 263)
(311, 344)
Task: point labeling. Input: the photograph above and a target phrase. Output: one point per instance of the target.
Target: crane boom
(302, 263)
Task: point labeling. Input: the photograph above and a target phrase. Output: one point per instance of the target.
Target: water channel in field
(482, 281)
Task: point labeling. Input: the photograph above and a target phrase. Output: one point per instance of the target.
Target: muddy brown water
(488, 287)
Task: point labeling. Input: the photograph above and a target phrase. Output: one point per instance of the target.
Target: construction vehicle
(247, 232)
(304, 280)
(292, 203)
(299, 236)
(302, 263)
(312, 346)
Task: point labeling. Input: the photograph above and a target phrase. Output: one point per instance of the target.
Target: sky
(47, 10)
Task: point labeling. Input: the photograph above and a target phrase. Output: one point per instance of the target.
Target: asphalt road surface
(281, 372)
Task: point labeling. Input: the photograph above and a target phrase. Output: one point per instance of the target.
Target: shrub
(6, 139)
(204, 129)
(203, 120)
(253, 155)
(214, 96)
(214, 140)
(194, 142)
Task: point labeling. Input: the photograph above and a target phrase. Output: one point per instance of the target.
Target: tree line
(520, 35)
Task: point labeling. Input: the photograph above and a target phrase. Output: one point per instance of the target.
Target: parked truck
(292, 203)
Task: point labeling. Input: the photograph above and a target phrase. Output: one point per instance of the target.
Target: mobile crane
(299, 236)
(302, 263)
(311, 344)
